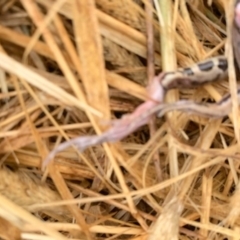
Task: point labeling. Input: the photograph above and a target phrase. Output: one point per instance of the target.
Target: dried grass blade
(91, 55)
(10, 211)
(14, 67)
(115, 80)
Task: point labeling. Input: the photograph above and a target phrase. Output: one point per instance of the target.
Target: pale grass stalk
(19, 216)
(230, 13)
(162, 226)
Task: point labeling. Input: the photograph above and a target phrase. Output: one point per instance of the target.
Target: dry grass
(70, 67)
